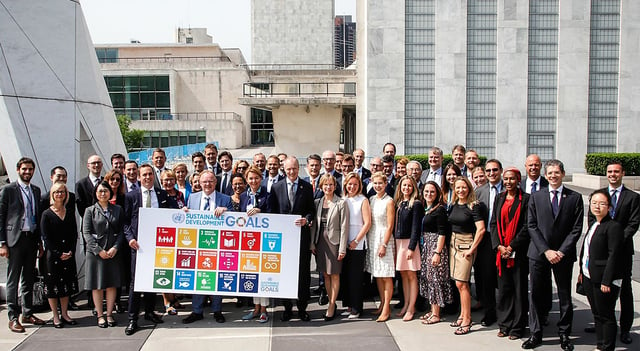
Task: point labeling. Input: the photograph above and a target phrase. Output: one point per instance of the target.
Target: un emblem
(178, 217)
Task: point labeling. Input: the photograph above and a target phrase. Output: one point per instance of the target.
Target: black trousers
(485, 276)
(135, 298)
(20, 272)
(604, 314)
(351, 280)
(539, 276)
(513, 303)
(304, 276)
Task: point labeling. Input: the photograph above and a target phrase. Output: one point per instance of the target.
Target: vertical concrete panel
(629, 89)
(573, 84)
(303, 130)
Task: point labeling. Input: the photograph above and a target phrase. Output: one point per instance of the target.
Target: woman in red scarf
(510, 238)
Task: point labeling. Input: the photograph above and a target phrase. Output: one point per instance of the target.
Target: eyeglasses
(59, 192)
(241, 167)
(102, 191)
(489, 170)
(115, 179)
(600, 204)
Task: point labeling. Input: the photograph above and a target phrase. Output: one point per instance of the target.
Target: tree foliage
(132, 137)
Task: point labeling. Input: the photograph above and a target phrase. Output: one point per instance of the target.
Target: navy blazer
(132, 204)
(221, 200)
(409, 223)
(303, 204)
(12, 213)
(604, 252)
(559, 233)
(262, 200)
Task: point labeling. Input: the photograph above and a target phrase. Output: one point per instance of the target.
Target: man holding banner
(295, 196)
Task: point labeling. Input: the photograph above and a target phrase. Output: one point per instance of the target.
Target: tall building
(344, 41)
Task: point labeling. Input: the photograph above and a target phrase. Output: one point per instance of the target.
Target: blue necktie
(554, 203)
(614, 202)
(534, 187)
(206, 205)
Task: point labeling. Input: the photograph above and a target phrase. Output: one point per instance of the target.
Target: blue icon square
(272, 242)
(184, 280)
(248, 283)
(227, 282)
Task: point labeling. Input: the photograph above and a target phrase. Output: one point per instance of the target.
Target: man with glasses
(329, 163)
(348, 164)
(85, 186)
(367, 184)
(484, 267)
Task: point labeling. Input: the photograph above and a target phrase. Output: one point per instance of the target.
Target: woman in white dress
(359, 224)
(380, 261)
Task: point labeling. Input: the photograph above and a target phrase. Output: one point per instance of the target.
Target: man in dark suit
(533, 181)
(387, 168)
(484, 266)
(208, 200)
(58, 174)
(625, 209)
(159, 159)
(223, 179)
(555, 223)
(314, 164)
(329, 163)
(131, 175)
(20, 242)
(295, 196)
(273, 173)
(86, 185)
(146, 195)
(211, 154)
(260, 161)
(363, 172)
(376, 166)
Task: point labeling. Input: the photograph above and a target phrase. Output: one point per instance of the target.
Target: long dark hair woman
(510, 239)
(600, 271)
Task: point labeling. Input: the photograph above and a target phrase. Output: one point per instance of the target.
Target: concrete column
(628, 91)
(305, 129)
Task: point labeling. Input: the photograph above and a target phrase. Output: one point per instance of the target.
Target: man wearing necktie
(625, 209)
(225, 161)
(434, 172)
(20, 242)
(534, 181)
(294, 196)
(485, 264)
(148, 196)
(85, 186)
(555, 218)
(273, 173)
(131, 175)
(159, 159)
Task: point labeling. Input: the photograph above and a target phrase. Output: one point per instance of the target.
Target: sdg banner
(236, 255)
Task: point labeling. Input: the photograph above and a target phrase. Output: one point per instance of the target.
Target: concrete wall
(629, 88)
(292, 31)
(54, 105)
(303, 130)
(380, 67)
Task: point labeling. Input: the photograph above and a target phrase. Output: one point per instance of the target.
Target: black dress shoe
(625, 338)
(59, 325)
(219, 317)
(286, 316)
(590, 329)
(192, 318)
(131, 328)
(151, 316)
(69, 322)
(304, 316)
(565, 343)
(532, 343)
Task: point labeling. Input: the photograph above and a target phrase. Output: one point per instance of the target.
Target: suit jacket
(303, 204)
(228, 190)
(262, 200)
(425, 174)
(627, 214)
(366, 173)
(12, 213)
(216, 170)
(221, 200)
(483, 194)
(265, 180)
(390, 188)
(543, 184)
(559, 233)
(70, 206)
(604, 253)
(520, 242)
(319, 193)
(84, 194)
(132, 204)
(102, 232)
(337, 223)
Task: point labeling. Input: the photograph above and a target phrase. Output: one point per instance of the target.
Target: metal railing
(191, 116)
(290, 66)
(167, 59)
(299, 89)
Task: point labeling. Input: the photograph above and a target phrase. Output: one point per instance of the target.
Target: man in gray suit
(20, 242)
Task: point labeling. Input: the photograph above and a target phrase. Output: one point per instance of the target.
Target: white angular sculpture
(54, 105)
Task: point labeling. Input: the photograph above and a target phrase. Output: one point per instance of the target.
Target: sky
(155, 21)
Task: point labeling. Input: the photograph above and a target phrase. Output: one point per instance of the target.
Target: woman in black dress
(59, 230)
(102, 229)
(510, 238)
(434, 273)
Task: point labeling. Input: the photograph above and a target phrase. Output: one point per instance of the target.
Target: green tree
(132, 137)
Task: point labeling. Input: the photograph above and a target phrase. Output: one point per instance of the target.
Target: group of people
(429, 228)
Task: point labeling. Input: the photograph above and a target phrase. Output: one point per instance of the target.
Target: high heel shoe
(330, 318)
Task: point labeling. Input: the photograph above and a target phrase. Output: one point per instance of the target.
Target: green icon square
(162, 278)
(208, 239)
(206, 281)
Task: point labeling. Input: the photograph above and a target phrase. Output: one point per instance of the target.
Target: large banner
(236, 255)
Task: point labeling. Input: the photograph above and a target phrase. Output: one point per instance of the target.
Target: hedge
(424, 159)
(596, 164)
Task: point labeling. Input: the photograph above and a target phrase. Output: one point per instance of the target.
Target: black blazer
(229, 189)
(520, 242)
(84, 194)
(408, 224)
(559, 233)
(70, 206)
(279, 178)
(132, 204)
(627, 214)
(12, 213)
(543, 184)
(302, 204)
(604, 252)
(262, 200)
(366, 173)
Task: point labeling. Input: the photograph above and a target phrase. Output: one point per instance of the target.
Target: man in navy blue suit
(273, 173)
(208, 200)
(555, 223)
(148, 196)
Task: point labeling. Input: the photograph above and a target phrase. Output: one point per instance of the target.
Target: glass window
(146, 96)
